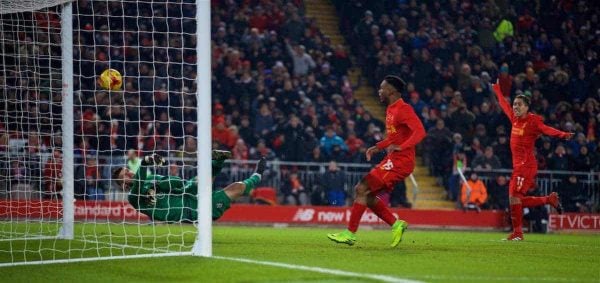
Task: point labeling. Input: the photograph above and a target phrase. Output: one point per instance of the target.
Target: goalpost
(61, 136)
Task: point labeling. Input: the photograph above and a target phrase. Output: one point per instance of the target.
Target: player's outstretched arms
(504, 105)
(553, 132)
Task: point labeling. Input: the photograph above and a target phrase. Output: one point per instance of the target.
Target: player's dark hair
(526, 99)
(396, 82)
(116, 173)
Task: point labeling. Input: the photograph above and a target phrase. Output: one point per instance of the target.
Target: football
(110, 79)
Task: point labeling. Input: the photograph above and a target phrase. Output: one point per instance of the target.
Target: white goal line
(158, 253)
(378, 277)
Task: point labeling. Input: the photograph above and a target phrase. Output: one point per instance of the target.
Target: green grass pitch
(429, 256)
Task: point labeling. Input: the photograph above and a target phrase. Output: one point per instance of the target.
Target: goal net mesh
(152, 44)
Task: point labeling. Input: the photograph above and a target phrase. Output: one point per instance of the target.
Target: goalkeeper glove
(151, 197)
(153, 159)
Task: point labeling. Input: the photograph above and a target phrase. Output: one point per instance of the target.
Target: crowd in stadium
(450, 52)
(280, 87)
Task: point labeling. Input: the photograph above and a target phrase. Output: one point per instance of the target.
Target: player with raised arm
(526, 128)
(172, 199)
(404, 131)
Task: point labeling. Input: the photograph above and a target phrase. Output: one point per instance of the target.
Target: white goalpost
(62, 136)
(203, 244)
(66, 230)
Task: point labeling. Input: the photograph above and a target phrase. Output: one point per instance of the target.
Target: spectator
(240, 150)
(246, 132)
(577, 143)
(477, 92)
(476, 149)
(133, 161)
(559, 159)
(188, 151)
(293, 191)
(294, 136)
(482, 136)
(259, 21)
(261, 150)
(573, 195)
(585, 161)
(438, 148)
(330, 140)
(502, 150)
(294, 27)
(498, 193)
(354, 143)
(416, 102)
(486, 161)
(333, 182)
(316, 156)
(338, 154)
(340, 61)
(462, 120)
(94, 189)
(263, 121)
(487, 117)
(164, 143)
(459, 163)
(363, 123)
(19, 181)
(175, 169)
(223, 135)
(53, 176)
(310, 140)
(303, 62)
(473, 193)
(398, 196)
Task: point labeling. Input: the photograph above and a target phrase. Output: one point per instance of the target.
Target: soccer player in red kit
(404, 131)
(526, 128)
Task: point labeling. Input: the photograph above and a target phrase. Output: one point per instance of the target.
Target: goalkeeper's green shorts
(220, 203)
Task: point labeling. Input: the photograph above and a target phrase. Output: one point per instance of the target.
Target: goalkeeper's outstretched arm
(134, 181)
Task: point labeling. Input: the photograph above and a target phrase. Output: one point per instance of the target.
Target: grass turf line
(423, 255)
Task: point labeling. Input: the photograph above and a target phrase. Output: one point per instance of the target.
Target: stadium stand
(450, 51)
(279, 84)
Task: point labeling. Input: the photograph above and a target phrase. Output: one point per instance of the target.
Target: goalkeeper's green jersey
(174, 196)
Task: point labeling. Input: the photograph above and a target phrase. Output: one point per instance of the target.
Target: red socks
(534, 201)
(383, 212)
(516, 217)
(378, 208)
(357, 212)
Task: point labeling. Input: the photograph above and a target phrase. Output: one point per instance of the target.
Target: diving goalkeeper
(172, 199)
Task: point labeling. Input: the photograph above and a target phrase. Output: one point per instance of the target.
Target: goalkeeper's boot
(221, 154)
(554, 201)
(345, 237)
(515, 237)
(398, 231)
(261, 166)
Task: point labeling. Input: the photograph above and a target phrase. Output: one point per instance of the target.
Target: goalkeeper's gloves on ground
(153, 159)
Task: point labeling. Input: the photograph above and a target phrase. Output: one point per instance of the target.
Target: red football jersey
(525, 130)
(402, 127)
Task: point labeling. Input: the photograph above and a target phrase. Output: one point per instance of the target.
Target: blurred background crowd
(280, 88)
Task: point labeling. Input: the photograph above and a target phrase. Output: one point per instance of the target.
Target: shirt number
(520, 182)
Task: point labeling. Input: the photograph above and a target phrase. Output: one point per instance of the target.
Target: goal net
(62, 136)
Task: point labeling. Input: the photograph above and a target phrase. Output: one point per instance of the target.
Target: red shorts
(522, 180)
(394, 168)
